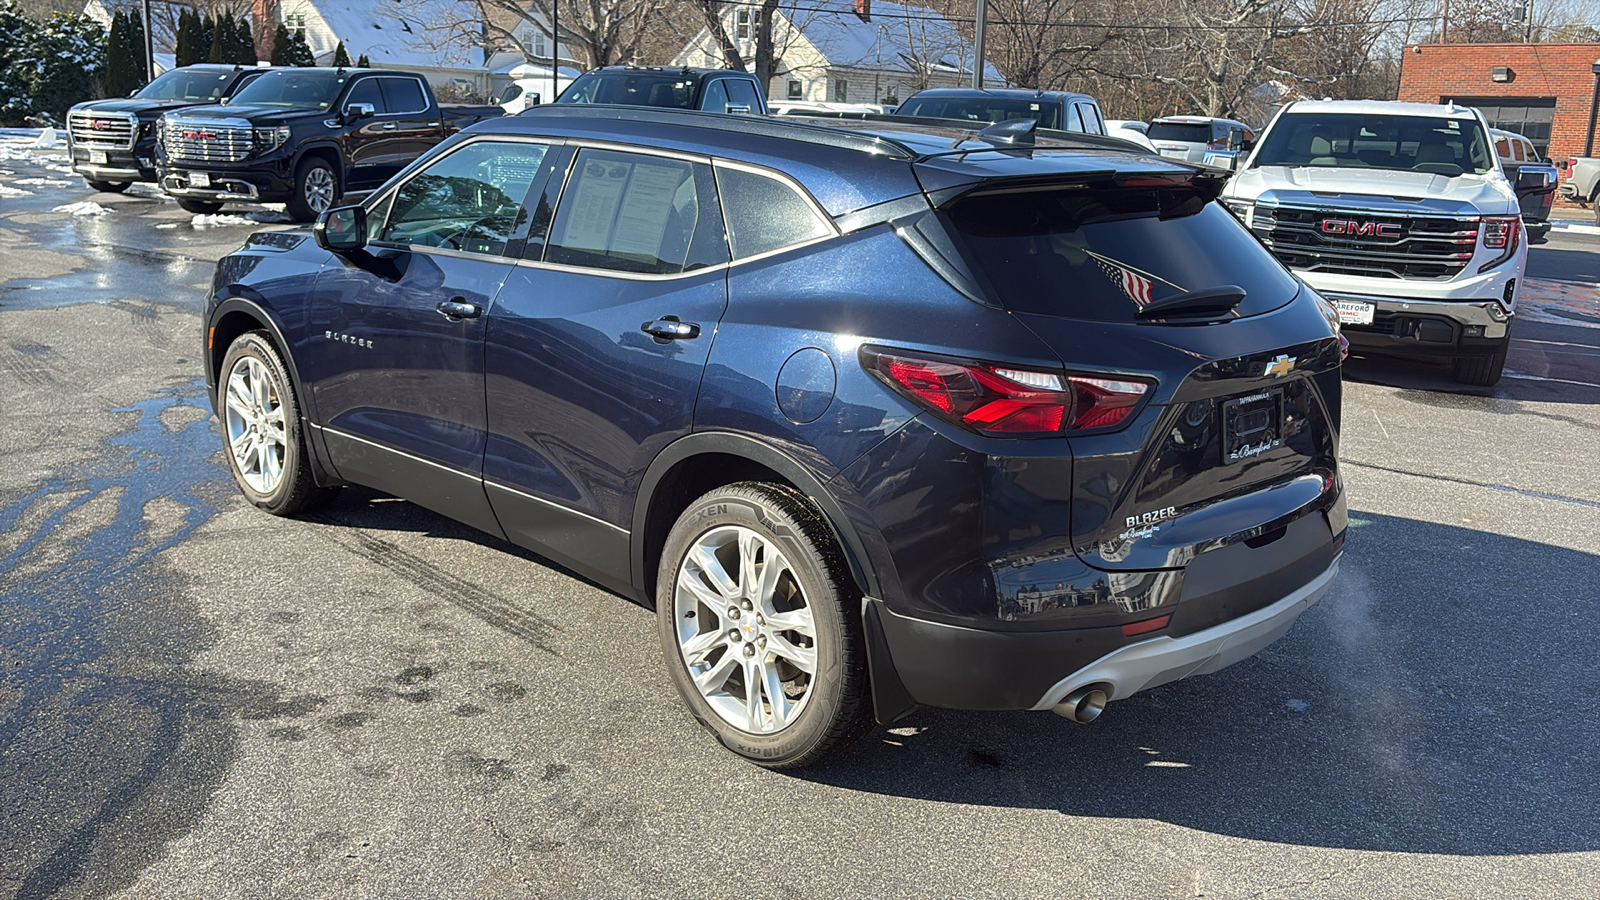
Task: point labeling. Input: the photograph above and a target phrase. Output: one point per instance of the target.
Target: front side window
(631, 212)
(715, 98)
(366, 91)
(469, 200)
(1436, 146)
(742, 93)
(1074, 119)
(765, 213)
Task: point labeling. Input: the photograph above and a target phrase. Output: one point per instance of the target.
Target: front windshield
(1448, 147)
(200, 87)
(292, 90)
(983, 109)
(673, 91)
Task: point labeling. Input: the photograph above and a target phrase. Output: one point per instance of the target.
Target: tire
(729, 640)
(316, 188)
(203, 207)
(1482, 371)
(107, 187)
(262, 435)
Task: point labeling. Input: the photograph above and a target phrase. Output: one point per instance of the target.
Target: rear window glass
(983, 109)
(1102, 255)
(1198, 133)
(632, 89)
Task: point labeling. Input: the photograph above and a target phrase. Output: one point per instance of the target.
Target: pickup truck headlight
(1501, 233)
(269, 139)
(1240, 209)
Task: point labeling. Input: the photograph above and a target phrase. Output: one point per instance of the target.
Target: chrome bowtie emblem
(1283, 365)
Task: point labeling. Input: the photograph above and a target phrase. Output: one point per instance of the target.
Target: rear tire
(316, 188)
(262, 435)
(107, 187)
(202, 207)
(1482, 371)
(752, 591)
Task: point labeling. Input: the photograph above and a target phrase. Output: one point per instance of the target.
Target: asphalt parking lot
(201, 700)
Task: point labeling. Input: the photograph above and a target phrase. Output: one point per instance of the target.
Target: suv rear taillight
(1500, 233)
(1004, 400)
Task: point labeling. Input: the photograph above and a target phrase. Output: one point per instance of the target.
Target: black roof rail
(765, 126)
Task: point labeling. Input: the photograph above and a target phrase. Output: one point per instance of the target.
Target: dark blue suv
(875, 414)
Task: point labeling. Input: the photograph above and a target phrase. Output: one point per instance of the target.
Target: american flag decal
(1136, 286)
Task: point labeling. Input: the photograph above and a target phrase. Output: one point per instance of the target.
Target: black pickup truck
(305, 137)
(113, 141)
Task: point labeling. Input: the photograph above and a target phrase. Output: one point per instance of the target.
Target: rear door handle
(668, 328)
(456, 309)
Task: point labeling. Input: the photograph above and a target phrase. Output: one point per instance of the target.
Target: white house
(390, 33)
(848, 51)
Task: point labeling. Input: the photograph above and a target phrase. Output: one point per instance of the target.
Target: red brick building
(1542, 91)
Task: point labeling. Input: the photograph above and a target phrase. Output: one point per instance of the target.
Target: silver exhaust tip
(1083, 705)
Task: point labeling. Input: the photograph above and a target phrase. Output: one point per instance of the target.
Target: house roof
(895, 36)
(384, 30)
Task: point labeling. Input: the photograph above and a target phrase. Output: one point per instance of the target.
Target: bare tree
(594, 32)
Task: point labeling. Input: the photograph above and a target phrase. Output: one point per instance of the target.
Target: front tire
(202, 207)
(316, 188)
(107, 187)
(261, 429)
(760, 627)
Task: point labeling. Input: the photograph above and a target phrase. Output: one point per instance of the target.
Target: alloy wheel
(319, 189)
(253, 415)
(744, 629)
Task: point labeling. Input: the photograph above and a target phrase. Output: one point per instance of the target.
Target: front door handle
(668, 328)
(388, 126)
(456, 309)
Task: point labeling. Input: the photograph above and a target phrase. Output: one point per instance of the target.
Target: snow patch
(255, 218)
(42, 181)
(83, 208)
(8, 191)
(166, 225)
(45, 140)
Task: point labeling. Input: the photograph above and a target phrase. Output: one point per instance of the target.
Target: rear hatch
(1238, 434)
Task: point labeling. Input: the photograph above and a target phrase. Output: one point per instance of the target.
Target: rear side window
(468, 200)
(404, 95)
(765, 213)
(631, 212)
(1102, 255)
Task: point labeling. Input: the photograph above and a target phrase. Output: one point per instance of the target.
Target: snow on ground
(45, 140)
(7, 191)
(82, 208)
(42, 181)
(263, 217)
(165, 225)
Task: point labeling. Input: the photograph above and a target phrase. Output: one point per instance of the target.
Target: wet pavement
(197, 699)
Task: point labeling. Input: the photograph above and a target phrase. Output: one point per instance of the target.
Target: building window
(840, 90)
(535, 44)
(741, 24)
(296, 23)
(796, 90)
(891, 94)
(1530, 117)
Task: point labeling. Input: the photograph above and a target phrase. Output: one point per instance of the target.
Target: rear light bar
(1003, 400)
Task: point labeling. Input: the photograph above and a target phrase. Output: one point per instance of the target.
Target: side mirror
(532, 100)
(341, 229)
(1235, 140)
(358, 111)
(1534, 182)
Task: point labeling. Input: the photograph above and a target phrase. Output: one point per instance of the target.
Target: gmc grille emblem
(100, 125)
(199, 135)
(1353, 228)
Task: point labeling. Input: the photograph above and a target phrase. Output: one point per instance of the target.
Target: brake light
(1002, 400)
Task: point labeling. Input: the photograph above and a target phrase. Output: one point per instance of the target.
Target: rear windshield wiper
(1211, 301)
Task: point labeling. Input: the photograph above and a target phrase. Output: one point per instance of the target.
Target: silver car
(1201, 139)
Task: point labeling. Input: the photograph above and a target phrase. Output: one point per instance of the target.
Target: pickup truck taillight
(1002, 401)
(1501, 233)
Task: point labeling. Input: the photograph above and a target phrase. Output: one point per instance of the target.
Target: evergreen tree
(341, 58)
(281, 50)
(138, 72)
(15, 102)
(220, 38)
(118, 65)
(299, 51)
(244, 45)
(204, 34)
(183, 40)
(363, 62)
(60, 61)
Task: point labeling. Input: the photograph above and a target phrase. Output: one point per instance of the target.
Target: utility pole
(977, 40)
(555, 51)
(149, 45)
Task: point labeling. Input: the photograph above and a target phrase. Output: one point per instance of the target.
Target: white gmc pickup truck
(1400, 215)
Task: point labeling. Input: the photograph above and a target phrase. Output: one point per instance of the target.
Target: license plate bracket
(1354, 312)
(199, 180)
(97, 157)
(1251, 425)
